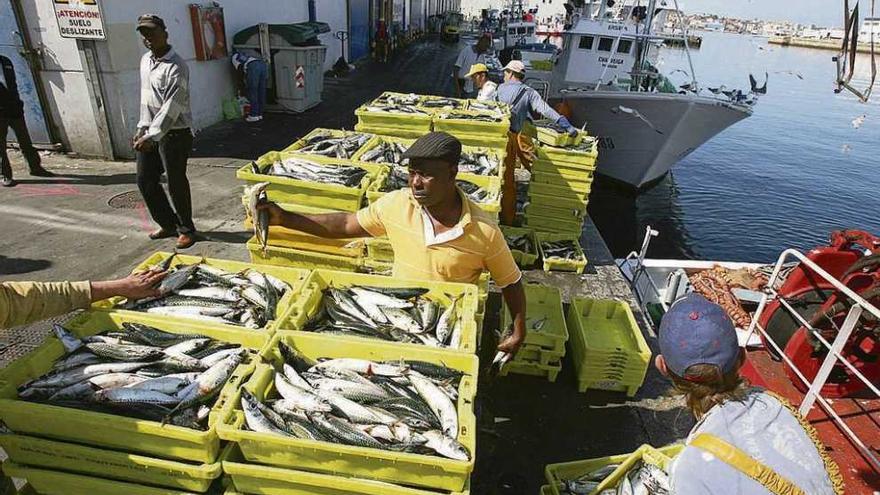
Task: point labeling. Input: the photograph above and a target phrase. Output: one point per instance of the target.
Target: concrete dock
(65, 228)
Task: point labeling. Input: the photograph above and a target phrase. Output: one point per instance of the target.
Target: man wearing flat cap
(436, 231)
(164, 137)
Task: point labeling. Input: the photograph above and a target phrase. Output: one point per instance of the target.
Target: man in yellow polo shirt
(436, 231)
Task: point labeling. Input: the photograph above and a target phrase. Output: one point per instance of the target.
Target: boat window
(605, 44)
(624, 46)
(511, 31)
(531, 30)
(586, 43)
(521, 30)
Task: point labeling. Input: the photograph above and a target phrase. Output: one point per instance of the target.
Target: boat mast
(687, 48)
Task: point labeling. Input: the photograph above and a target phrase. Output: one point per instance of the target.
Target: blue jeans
(257, 77)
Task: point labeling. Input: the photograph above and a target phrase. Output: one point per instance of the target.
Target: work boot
(185, 240)
(162, 233)
(39, 171)
(7, 181)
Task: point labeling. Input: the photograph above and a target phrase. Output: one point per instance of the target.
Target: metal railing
(813, 394)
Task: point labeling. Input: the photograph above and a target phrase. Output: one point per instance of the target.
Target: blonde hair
(706, 387)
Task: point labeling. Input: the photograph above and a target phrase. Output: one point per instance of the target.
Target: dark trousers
(169, 155)
(24, 142)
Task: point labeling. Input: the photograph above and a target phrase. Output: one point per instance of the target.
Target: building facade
(83, 95)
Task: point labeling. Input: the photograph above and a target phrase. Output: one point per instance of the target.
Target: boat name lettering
(612, 27)
(605, 60)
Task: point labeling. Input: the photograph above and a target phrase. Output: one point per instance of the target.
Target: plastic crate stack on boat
(560, 185)
(617, 467)
(63, 450)
(608, 349)
(272, 463)
(546, 334)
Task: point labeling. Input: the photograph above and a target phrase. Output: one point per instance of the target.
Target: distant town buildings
(713, 22)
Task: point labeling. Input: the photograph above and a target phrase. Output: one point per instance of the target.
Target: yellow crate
(302, 142)
(547, 209)
(557, 265)
(391, 131)
(448, 122)
(548, 371)
(405, 121)
(309, 298)
(551, 137)
(557, 473)
(374, 267)
(459, 103)
(493, 186)
(546, 490)
(110, 464)
(289, 190)
(570, 158)
(542, 302)
(350, 461)
(107, 430)
(522, 259)
(554, 225)
(287, 257)
(49, 482)
(294, 277)
(255, 478)
(565, 194)
(607, 343)
(536, 354)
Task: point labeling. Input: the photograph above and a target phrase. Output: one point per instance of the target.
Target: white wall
(119, 57)
(61, 76)
(334, 13)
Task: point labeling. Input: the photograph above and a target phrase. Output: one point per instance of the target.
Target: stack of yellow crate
(607, 346)
(546, 334)
(560, 185)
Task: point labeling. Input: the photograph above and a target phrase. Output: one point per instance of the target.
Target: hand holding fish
(511, 344)
(135, 286)
(276, 213)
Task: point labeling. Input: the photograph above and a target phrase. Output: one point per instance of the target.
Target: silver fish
(445, 446)
(438, 401)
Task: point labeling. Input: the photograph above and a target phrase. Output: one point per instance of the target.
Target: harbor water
(785, 177)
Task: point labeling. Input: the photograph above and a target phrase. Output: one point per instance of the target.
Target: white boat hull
(631, 151)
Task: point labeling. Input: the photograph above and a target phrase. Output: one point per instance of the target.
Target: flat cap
(437, 146)
(150, 21)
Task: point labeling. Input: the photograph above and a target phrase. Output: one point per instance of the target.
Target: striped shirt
(164, 94)
(530, 102)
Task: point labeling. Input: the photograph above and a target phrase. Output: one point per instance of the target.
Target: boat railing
(834, 348)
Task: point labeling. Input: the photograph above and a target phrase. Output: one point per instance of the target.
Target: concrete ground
(65, 229)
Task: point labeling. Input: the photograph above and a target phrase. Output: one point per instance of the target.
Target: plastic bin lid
(300, 33)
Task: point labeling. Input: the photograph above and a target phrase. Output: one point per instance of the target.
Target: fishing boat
(519, 35)
(811, 334)
(608, 78)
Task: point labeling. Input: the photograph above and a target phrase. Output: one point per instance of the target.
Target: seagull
(858, 121)
(754, 83)
(680, 70)
(687, 87)
(717, 90)
(846, 148)
(635, 113)
(791, 73)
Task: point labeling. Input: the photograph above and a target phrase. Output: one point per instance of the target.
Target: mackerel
(380, 299)
(401, 319)
(438, 401)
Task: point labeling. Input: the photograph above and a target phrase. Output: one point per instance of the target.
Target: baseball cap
(697, 331)
(516, 66)
(435, 145)
(150, 21)
(476, 69)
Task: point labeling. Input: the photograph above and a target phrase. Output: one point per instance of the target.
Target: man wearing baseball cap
(523, 101)
(164, 137)
(436, 231)
(746, 441)
(479, 74)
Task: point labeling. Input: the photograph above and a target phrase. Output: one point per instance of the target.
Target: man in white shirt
(469, 55)
(164, 137)
(479, 74)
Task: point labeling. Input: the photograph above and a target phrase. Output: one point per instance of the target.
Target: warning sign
(80, 19)
(300, 77)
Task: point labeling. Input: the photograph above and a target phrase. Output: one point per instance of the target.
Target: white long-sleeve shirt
(164, 94)
(487, 92)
